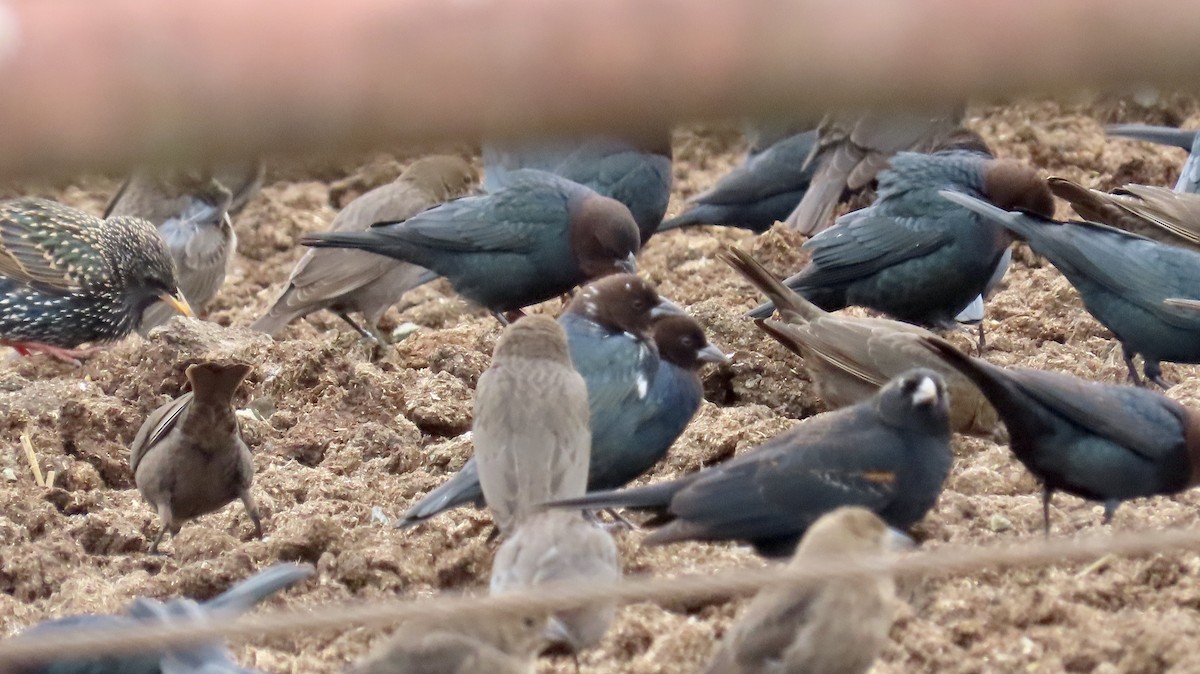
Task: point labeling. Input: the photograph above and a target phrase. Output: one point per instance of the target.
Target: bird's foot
(72, 356)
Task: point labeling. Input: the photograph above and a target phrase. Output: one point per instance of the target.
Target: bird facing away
(211, 658)
(535, 239)
(530, 428)
(889, 454)
(909, 256)
(839, 627)
(68, 278)
(1136, 208)
(762, 191)
(1189, 176)
(850, 358)
(1102, 442)
(188, 458)
(1123, 280)
(853, 148)
(459, 645)
(345, 280)
(634, 417)
(634, 171)
(552, 546)
(191, 211)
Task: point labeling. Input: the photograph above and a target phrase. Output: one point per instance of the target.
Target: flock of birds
(574, 409)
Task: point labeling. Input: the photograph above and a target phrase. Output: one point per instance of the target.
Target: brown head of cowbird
(850, 358)
(188, 458)
(530, 430)
(839, 627)
(347, 281)
(458, 645)
(560, 546)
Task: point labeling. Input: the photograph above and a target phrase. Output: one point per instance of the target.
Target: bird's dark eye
(639, 304)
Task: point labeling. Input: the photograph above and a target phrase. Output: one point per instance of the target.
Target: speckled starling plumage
(68, 278)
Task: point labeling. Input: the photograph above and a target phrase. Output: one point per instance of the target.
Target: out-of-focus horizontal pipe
(101, 83)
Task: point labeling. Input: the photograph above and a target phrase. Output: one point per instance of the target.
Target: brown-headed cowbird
(853, 148)
(1136, 208)
(839, 627)
(552, 546)
(345, 280)
(850, 358)
(1103, 442)
(889, 453)
(535, 239)
(530, 430)
(188, 458)
(458, 645)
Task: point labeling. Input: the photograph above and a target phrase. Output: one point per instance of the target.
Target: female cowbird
(535, 239)
(850, 358)
(530, 427)
(346, 281)
(458, 645)
(188, 458)
(839, 627)
(762, 191)
(638, 405)
(209, 658)
(1135, 208)
(1189, 176)
(853, 148)
(889, 454)
(1123, 280)
(68, 278)
(553, 546)
(634, 171)
(910, 257)
(1102, 442)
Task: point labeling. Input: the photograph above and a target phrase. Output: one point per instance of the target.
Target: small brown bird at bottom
(838, 627)
(188, 458)
(459, 645)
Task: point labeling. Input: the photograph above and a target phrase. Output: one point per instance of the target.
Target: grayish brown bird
(851, 358)
(462, 645)
(559, 546)
(349, 281)
(531, 433)
(188, 458)
(839, 627)
(1136, 208)
(191, 210)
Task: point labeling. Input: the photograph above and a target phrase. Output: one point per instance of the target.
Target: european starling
(68, 278)
(188, 458)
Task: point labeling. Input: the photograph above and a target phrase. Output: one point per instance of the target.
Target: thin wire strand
(553, 597)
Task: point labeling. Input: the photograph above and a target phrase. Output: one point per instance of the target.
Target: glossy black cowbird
(1189, 175)
(839, 627)
(1103, 442)
(909, 257)
(1123, 280)
(535, 239)
(889, 454)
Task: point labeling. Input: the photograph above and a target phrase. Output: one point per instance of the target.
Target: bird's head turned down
(681, 342)
(1014, 186)
(533, 337)
(604, 236)
(849, 530)
(623, 303)
(143, 265)
(443, 176)
(915, 397)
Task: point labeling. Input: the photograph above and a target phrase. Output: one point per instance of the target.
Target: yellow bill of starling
(68, 278)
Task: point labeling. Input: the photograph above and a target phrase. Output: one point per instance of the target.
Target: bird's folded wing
(155, 428)
(866, 244)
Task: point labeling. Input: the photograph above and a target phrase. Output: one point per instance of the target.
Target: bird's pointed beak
(178, 303)
(557, 633)
(898, 540)
(926, 392)
(666, 307)
(711, 354)
(628, 265)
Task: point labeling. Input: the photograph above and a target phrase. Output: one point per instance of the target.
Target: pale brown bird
(559, 546)
(850, 358)
(1136, 208)
(838, 627)
(345, 280)
(462, 645)
(531, 434)
(188, 458)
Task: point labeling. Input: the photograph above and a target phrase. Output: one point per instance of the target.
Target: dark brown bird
(188, 458)
(560, 546)
(68, 278)
(461, 645)
(1103, 442)
(349, 281)
(851, 358)
(531, 434)
(839, 627)
(1136, 208)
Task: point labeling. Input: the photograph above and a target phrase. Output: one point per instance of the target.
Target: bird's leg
(252, 511)
(166, 517)
(1110, 509)
(1153, 372)
(504, 322)
(619, 521)
(1047, 494)
(71, 356)
(358, 328)
(1133, 375)
(162, 532)
(982, 343)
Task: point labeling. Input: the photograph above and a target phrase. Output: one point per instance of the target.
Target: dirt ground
(343, 432)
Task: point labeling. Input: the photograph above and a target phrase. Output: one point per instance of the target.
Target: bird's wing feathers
(39, 243)
(504, 221)
(868, 243)
(155, 428)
